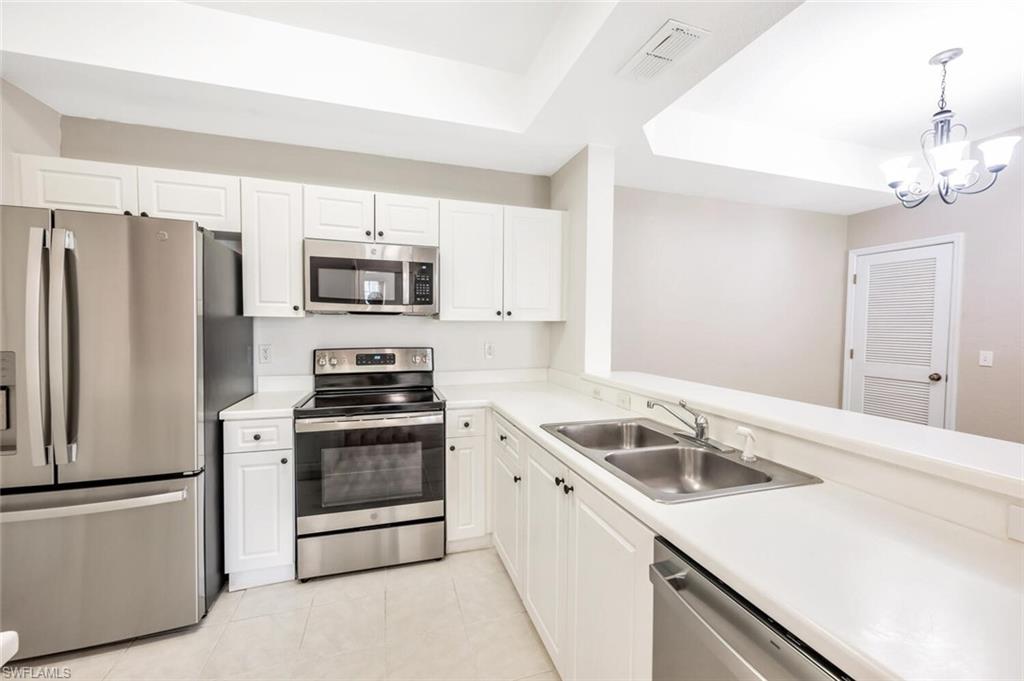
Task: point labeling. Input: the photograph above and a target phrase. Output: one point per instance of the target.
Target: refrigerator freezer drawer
(89, 566)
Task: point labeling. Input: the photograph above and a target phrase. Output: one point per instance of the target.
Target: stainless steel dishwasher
(703, 631)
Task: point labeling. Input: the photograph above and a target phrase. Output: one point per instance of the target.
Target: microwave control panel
(423, 283)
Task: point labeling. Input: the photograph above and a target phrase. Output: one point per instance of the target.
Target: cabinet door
(610, 616)
(506, 515)
(72, 184)
(411, 220)
(533, 264)
(271, 248)
(211, 200)
(471, 260)
(259, 510)
(336, 213)
(465, 488)
(546, 523)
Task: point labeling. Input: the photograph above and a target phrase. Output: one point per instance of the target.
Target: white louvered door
(901, 334)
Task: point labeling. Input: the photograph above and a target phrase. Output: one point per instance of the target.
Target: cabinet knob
(559, 481)
(567, 488)
(502, 437)
(498, 312)
(465, 424)
(295, 307)
(380, 233)
(257, 436)
(935, 377)
(369, 233)
(516, 478)
(508, 313)
(451, 448)
(284, 460)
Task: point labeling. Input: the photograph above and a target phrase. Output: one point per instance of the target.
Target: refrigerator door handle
(94, 507)
(61, 241)
(39, 452)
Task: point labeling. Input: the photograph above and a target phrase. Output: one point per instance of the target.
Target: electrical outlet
(488, 350)
(265, 355)
(985, 358)
(595, 392)
(623, 401)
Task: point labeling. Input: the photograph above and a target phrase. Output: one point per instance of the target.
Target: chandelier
(951, 170)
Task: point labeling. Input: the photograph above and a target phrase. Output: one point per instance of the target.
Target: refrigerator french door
(101, 466)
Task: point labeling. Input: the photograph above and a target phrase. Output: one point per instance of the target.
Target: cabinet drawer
(257, 435)
(507, 438)
(466, 422)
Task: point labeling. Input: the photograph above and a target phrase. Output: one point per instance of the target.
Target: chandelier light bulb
(948, 156)
(997, 152)
(964, 174)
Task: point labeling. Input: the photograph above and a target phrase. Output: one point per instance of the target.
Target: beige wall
(144, 145)
(990, 400)
(457, 345)
(27, 126)
(742, 296)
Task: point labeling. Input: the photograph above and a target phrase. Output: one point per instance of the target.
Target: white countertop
(265, 405)
(881, 590)
(995, 465)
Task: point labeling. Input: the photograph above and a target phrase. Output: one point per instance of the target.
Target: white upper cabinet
(410, 220)
(271, 248)
(471, 261)
(336, 213)
(533, 264)
(73, 184)
(211, 200)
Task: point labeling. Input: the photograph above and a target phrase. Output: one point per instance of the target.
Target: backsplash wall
(458, 346)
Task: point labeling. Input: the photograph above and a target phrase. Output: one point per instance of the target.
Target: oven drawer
(466, 422)
(257, 435)
(329, 554)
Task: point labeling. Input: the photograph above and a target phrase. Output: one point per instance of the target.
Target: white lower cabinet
(609, 627)
(465, 488)
(579, 560)
(259, 517)
(507, 513)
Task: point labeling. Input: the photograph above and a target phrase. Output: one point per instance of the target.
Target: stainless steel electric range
(369, 462)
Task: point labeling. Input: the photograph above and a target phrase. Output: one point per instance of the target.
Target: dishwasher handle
(731, 637)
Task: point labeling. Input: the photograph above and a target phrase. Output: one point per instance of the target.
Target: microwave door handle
(60, 242)
(39, 452)
(406, 284)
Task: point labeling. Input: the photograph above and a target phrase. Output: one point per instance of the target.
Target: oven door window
(349, 470)
(353, 281)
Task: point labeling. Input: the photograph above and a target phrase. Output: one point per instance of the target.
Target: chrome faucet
(700, 422)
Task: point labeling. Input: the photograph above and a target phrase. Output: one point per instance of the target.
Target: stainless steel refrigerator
(120, 339)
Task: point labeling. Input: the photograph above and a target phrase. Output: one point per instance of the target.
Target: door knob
(935, 377)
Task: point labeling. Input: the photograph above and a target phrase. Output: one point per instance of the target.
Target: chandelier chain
(942, 93)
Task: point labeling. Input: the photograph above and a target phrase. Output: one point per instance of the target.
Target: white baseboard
(470, 544)
(251, 578)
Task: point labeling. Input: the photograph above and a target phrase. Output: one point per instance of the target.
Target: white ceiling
(521, 87)
(833, 89)
(493, 33)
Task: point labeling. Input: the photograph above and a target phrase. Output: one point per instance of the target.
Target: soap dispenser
(748, 446)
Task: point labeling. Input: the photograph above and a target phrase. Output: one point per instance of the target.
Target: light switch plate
(623, 401)
(985, 358)
(488, 350)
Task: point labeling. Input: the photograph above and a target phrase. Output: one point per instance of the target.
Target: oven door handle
(315, 425)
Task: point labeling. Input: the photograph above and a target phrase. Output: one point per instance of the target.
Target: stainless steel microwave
(351, 277)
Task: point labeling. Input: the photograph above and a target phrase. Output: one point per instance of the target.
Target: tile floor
(459, 618)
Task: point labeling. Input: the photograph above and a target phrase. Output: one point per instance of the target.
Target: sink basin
(685, 470)
(671, 467)
(614, 435)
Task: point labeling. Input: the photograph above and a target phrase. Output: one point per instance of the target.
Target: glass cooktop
(369, 402)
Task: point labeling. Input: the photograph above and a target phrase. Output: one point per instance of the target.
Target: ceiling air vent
(664, 47)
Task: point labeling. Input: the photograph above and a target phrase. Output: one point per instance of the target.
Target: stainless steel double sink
(672, 467)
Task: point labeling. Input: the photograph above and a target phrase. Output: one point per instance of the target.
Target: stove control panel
(372, 360)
